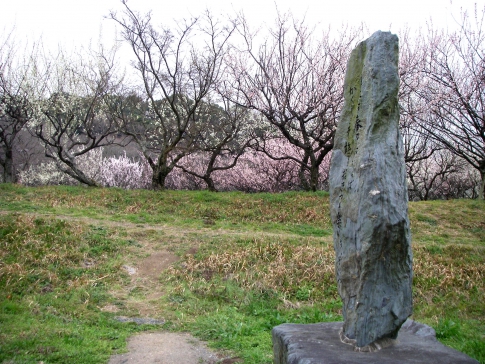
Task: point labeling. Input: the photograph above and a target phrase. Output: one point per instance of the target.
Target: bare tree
(295, 80)
(221, 137)
(15, 113)
(455, 93)
(414, 109)
(178, 69)
(16, 100)
(428, 179)
(74, 118)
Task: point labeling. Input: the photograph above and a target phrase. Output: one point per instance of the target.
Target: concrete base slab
(320, 344)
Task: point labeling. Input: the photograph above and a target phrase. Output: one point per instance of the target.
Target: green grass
(247, 262)
(53, 279)
(259, 211)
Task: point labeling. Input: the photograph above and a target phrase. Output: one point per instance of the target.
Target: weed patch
(263, 265)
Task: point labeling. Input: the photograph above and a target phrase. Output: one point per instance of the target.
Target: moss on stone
(352, 93)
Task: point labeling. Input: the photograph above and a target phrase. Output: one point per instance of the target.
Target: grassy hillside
(241, 264)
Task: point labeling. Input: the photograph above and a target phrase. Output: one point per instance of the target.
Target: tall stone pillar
(369, 200)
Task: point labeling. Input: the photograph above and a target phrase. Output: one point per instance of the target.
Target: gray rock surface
(140, 320)
(319, 344)
(368, 197)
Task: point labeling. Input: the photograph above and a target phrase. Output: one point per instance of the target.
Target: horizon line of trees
(219, 105)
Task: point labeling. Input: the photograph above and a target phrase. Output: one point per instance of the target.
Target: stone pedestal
(320, 344)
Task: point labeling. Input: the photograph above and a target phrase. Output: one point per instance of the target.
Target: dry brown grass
(277, 266)
(451, 279)
(444, 280)
(33, 250)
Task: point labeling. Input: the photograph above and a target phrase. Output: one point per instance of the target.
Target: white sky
(75, 22)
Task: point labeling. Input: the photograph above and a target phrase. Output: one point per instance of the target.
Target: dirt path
(159, 346)
(166, 348)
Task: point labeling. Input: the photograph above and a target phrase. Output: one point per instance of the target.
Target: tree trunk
(309, 183)
(8, 173)
(314, 175)
(305, 184)
(303, 180)
(210, 183)
(159, 177)
(481, 192)
(79, 176)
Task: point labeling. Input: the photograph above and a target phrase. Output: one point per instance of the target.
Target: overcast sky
(76, 22)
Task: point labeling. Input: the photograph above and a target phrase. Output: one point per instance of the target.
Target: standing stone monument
(369, 200)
